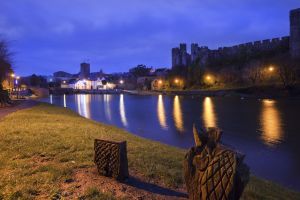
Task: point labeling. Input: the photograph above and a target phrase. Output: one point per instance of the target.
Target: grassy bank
(42, 146)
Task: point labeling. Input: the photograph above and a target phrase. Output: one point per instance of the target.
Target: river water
(266, 130)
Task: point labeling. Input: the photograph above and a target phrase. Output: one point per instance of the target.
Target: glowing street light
(160, 82)
(271, 69)
(208, 77)
(12, 75)
(121, 82)
(176, 81)
(18, 77)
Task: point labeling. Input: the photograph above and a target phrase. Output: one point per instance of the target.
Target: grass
(40, 147)
(95, 194)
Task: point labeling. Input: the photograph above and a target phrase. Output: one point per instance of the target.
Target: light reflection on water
(51, 98)
(83, 105)
(65, 101)
(178, 115)
(122, 111)
(107, 109)
(209, 116)
(161, 114)
(271, 123)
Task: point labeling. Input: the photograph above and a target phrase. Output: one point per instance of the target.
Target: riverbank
(47, 151)
(15, 106)
(262, 92)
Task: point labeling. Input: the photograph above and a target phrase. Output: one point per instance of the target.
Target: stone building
(84, 71)
(201, 54)
(180, 57)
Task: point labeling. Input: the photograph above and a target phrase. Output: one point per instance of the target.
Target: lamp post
(17, 84)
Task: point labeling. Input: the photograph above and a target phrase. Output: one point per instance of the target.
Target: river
(266, 130)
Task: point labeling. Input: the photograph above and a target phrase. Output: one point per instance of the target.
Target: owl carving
(213, 170)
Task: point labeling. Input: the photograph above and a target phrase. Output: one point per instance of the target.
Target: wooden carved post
(213, 171)
(111, 159)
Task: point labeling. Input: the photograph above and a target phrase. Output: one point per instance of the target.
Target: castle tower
(194, 51)
(182, 48)
(295, 33)
(175, 57)
(84, 71)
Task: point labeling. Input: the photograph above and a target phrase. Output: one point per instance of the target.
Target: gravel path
(18, 105)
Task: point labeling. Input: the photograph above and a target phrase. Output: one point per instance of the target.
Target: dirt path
(134, 188)
(17, 105)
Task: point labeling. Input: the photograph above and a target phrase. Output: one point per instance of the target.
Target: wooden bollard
(111, 159)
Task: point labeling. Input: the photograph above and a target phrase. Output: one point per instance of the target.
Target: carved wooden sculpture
(111, 159)
(213, 171)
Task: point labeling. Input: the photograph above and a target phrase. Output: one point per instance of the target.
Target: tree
(195, 74)
(288, 73)
(37, 81)
(104, 82)
(253, 71)
(5, 70)
(5, 62)
(140, 70)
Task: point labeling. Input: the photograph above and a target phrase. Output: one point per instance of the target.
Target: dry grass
(40, 147)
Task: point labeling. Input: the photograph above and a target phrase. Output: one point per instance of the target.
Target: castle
(291, 44)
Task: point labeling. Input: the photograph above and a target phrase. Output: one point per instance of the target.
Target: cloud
(115, 35)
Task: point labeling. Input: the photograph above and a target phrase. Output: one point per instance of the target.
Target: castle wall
(182, 58)
(295, 33)
(251, 49)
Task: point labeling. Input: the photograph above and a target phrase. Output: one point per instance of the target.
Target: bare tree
(5, 70)
(253, 72)
(5, 62)
(288, 73)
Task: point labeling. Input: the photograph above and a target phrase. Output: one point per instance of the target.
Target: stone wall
(181, 57)
(291, 44)
(295, 33)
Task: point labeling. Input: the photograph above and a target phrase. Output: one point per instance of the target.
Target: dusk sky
(115, 35)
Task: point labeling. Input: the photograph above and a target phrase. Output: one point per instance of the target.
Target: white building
(86, 84)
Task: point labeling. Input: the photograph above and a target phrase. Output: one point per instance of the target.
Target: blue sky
(115, 35)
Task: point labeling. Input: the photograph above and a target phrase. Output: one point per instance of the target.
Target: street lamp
(208, 77)
(176, 81)
(160, 82)
(121, 82)
(271, 69)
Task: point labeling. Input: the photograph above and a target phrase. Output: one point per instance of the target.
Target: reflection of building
(84, 71)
